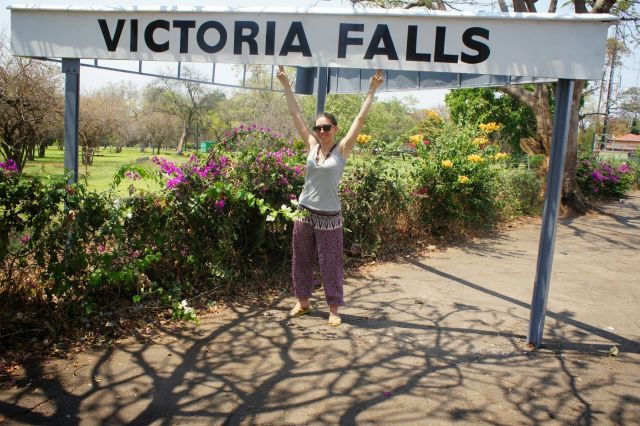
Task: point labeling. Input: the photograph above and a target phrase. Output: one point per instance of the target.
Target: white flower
(270, 218)
(183, 303)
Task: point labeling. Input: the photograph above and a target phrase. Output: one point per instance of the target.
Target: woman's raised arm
(298, 121)
(347, 143)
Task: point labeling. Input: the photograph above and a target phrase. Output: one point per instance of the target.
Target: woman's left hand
(282, 76)
(376, 80)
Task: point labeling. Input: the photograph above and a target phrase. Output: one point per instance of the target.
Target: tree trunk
(519, 6)
(87, 155)
(538, 101)
(542, 111)
(19, 156)
(571, 194)
(183, 138)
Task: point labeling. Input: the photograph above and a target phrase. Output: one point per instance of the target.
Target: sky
(92, 79)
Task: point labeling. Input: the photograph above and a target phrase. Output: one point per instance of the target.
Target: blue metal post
(71, 69)
(321, 89)
(550, 211)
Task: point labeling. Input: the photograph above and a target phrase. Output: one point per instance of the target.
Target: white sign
(535, 45)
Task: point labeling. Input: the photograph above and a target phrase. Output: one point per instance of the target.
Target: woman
(318, 236)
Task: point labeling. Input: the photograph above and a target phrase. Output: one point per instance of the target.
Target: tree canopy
(31, 105)
(187, 99)
(471, 107)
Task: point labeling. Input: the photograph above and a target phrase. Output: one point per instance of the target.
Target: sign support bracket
(71, 69)
(550, 211)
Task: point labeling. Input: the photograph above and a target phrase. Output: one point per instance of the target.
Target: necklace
(324, 159)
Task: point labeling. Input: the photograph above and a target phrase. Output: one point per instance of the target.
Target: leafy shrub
(521, 192)
(77, 251)
(252, 137)
(373, 199)
(27, 204)
(272, 168)
(28, 207)
(604, 178)
(226, 217)
(58, 236)
(457, 182)
(211, 224)
(537, 162)
(276, 175)
(430, 126)
(635, 165)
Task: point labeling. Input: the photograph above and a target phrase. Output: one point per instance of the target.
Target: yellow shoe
(334, 320)
(299, 311)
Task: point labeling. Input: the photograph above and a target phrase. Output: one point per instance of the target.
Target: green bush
(456, 180)
(27, 205)
(78, 251)
(537, 162)
(635, 165)
(373, 200)
(605, 178)
(521, 192)
(57, 233)
(274, 172)
(224, 218)
(272, 168)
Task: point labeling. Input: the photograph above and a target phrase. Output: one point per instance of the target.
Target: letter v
(111, 42)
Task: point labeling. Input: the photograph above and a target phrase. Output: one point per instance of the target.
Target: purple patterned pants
(310, 247)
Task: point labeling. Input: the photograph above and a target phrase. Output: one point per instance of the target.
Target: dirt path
(429, 340)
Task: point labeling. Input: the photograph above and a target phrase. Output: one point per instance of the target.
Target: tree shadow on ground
(396, 360)
(601, 230)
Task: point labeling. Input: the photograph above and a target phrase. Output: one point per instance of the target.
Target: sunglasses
(324, 127)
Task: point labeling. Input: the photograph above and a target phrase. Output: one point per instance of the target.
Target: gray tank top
(320, 191)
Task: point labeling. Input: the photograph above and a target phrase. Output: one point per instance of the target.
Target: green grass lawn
(106, 162)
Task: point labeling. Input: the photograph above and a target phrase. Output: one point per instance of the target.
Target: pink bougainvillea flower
(9, 166)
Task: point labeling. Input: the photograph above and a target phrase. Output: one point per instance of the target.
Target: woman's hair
(330, 116)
